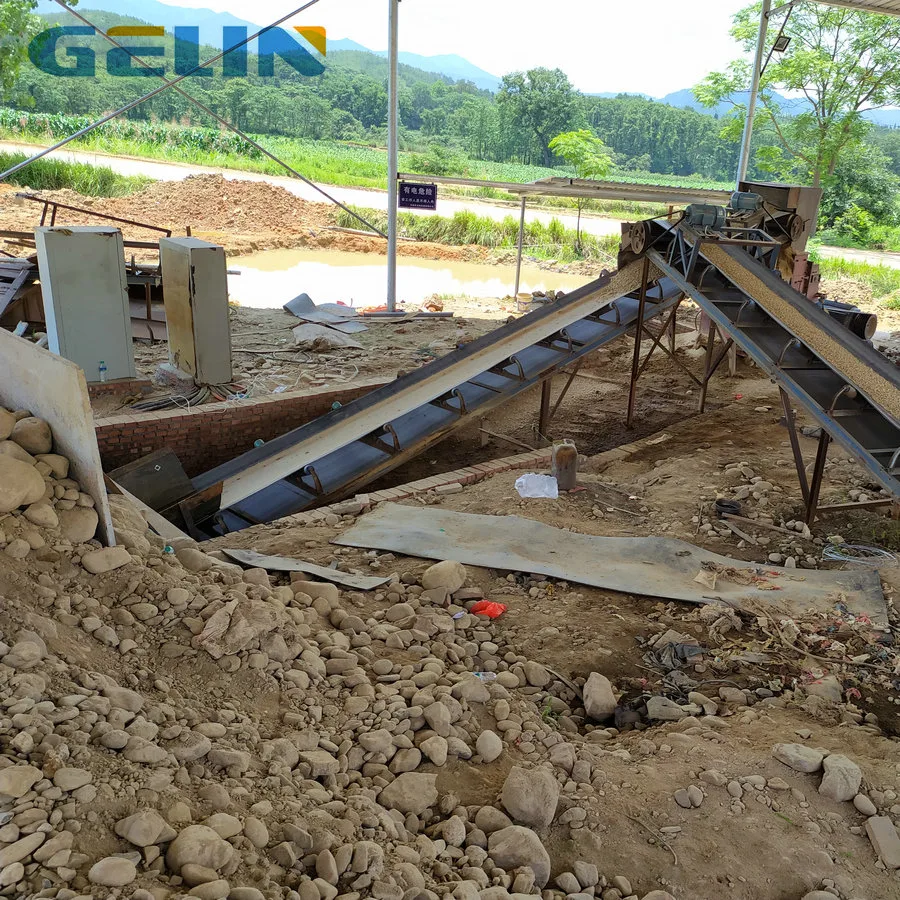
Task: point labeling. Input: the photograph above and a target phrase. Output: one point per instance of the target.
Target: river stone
(198, 845)
(798, 757)
(449, 575)
(842, 778)
(114, 871)
(59, 465)
(411, 792)
(599, 697)
(42, 514)
(16, 781)
(20, 484)
(144, 828)
(516, 846)
(7, 423)
(530, 796)
(11, 448)
(78, 525)
(658, 895)
(33, 435)
(69, 778)
(106, 559)
(489, 746)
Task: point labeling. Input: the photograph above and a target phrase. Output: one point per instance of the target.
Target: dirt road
(374, 199)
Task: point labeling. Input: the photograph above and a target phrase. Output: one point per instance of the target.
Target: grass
(550, 241)
(53, 175)
(328, 162)
(882, 280)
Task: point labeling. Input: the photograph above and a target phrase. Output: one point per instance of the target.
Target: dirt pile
(175, 726)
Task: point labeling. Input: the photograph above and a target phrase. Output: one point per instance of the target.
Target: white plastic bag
(537, 486)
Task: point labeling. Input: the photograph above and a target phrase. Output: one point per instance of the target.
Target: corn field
(19, 123)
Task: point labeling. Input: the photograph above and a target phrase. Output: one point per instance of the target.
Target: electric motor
(705, 215)
(745, 201)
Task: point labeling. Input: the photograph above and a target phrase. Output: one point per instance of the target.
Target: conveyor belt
(849, 388)
(338, 453)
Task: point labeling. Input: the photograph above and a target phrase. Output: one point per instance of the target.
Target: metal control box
(195, 287)
(85, 293)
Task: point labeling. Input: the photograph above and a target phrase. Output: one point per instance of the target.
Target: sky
(642, 46)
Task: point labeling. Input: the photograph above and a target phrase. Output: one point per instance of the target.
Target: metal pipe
(153, 93)
(754, 93)
(205, 109)
(519, 246)
(393, 124)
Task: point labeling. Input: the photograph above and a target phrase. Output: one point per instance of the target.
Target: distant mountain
(686, 98)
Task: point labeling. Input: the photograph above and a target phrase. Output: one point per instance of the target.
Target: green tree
(18, 25)
(841, 62)
(542, 101)
(588, 155)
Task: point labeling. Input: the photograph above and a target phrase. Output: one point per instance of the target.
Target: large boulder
(7, 423)
(516, 846)
(33, 435)
(449, 575)
(530, 796)
(20, 484)
(799, 757)
(78, 525)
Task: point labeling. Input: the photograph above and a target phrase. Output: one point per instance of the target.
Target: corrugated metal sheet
(887, 7)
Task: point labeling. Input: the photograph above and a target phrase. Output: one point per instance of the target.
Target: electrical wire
(859, 554)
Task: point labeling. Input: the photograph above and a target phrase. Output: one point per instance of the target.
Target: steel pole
(519, 246)
(754, 93)
(393, 124)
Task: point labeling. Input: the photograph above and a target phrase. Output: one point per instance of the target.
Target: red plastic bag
(488, 608)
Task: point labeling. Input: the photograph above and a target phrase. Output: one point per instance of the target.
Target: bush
(53, 175)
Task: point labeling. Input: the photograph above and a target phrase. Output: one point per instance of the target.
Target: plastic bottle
(102, 372)
(537, 486)
(564, 465)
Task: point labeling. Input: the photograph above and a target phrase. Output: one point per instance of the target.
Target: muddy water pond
(273, 277)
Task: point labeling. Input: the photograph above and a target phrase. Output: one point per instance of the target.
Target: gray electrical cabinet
(195, 287)
(85, 292)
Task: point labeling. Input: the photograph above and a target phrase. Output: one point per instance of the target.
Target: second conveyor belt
(340, 452)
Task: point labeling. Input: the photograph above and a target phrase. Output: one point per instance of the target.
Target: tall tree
(18, 25)
(543, 101)
(840, 62)
(588, 155)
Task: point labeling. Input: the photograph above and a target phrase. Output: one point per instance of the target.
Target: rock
(20, 484)
(113, 871)
(78, 525)
(599, 697)
(658, 895)
(798, 757)
(664, 710)
(842, 778)
(683, 799)
(588, 875)
(200, 846)
(16, 781)
(516, 846)
(818, 895)
(194, 560)
(59, 465)
(68, 778)
(144, 828)
(42, 514)
(411, 792)
(10, 448)
(536, 675)
(435, 748)
(33, 435)
(864, 805)
(105, 560)
(829, 688)
(449, 575)
(489, 746)
(320, 762)
(7, 423)
(530, 796)
(21, 849)
(885, 841)
(24, 655)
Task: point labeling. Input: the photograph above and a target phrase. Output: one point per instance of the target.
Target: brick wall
(212, 434)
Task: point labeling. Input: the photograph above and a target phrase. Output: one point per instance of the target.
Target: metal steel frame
(843, 411)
